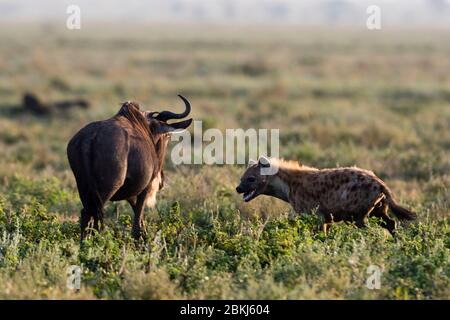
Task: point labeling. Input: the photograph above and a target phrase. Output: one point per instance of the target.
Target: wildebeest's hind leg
(92, 205)
(84, 221)
(88, 212)
(97, 202)
(96, 209)
(381, 211)
(137, 204)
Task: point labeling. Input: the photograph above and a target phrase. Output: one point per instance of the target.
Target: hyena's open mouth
(249, 195)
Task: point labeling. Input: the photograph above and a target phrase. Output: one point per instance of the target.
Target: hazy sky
(303, 12)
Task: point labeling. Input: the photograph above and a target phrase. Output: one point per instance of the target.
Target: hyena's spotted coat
(348, 194)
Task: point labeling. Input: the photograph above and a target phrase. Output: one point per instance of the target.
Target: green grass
(377, 100)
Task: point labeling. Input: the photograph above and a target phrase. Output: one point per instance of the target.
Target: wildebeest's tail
(80, 159)
(93, 197)
(400, 212)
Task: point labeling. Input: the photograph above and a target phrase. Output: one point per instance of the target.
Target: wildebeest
(33, 104)
(348, 194)
(122, 159)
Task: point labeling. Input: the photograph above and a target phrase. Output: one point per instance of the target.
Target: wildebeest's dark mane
(132, 112)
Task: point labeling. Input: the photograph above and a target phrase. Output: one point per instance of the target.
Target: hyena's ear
(264, 162)
(251, 163)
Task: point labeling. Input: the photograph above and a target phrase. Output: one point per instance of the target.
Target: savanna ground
(379, 100)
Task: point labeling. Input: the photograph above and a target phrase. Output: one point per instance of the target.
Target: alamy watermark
(73, 277)
(374, 279)
(373, 21)
(73, 21)
(234, 146)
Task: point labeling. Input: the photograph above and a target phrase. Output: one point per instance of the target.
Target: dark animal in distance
(122, 159)
(337, 194)
(33, 104)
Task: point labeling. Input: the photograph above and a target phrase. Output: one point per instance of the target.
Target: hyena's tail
(400, 212)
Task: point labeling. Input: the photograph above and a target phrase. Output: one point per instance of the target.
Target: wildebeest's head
(253, 181)
(159, 126)
(161, 129)
(155, 126)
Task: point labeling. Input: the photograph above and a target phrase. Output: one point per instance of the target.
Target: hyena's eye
(251, 179)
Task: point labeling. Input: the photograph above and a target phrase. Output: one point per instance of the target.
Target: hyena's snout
(244, 187)
(249, 191)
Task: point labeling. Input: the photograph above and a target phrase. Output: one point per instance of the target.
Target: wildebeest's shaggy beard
(348, 194)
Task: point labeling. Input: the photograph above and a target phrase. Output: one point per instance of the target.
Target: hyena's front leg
(325, 228)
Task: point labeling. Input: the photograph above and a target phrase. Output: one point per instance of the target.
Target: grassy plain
(378, 100)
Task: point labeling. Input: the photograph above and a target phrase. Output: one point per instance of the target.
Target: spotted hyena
(338, 194)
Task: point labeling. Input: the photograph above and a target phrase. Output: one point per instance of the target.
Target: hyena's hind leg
(381, 211)
(362, 220)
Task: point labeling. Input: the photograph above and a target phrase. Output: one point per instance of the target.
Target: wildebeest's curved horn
(167, 115)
